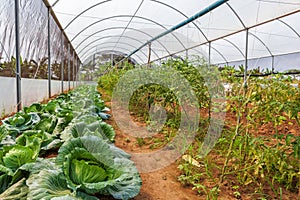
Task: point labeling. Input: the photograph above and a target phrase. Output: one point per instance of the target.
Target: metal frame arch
(164, 57)
(289, 26)
(122, 49)
(242, 23)
(110, 47)
(117, 46)
(264, 44)
(99, 44)
(156, 1)
(173, 8)
(130, 20)
(256, 37)
(235, 13)
(104, 37)
(178, 54)
(215, 49)
(95, 5)
(238, 31)
(119, 16)
(235, 46)
(112, 28)
(116, 36)
(112, 52)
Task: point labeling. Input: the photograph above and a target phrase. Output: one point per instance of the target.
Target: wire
(255, 29)
(128, 23)
(277, 2)
(4, 51)
(117, 20)
(55, 3)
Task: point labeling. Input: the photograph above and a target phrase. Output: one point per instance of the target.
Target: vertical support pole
(49, 55)
(93, 67)
(112, 64)
(187, 54)
(62, 61)
(273, 57)
(75, 67)
(149, 54)
(69, 66)
(73, 70)
(79, 77)
(18, 62)
(209, 54)
(246, 58)
(77, 71)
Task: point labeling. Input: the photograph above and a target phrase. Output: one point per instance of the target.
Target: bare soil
(164, 185)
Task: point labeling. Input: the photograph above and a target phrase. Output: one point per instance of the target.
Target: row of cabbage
(64, 150)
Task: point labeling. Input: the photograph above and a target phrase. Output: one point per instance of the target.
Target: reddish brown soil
(164, 185)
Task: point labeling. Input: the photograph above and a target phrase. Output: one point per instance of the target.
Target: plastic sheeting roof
(117, 25)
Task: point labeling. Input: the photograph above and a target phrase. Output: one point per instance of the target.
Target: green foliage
(274, 163)
(51, 184)
(96, 128)
(21, 121)
(39, 128)
(33, 108)
(193, 73)
(47, 123)
(252, 161)
(45, 139)
(271, 99)
(14, 162)
(18, 191)
(109, 80)
(93, 166)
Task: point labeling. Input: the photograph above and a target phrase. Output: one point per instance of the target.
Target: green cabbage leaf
(93, 166)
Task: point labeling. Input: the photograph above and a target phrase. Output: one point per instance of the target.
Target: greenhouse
(150, 99)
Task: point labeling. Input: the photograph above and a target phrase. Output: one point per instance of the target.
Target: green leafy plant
(21, 121)
(100, 129)
(15, 162)
(93, 166)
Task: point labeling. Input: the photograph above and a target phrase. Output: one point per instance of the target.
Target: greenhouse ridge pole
(185, 22)
(49, 55)
(18, 62)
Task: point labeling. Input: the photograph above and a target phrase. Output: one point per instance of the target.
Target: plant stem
(230, 150)
(236, 133)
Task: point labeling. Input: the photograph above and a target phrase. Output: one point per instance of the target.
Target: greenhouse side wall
(33, 90)
(43, 43)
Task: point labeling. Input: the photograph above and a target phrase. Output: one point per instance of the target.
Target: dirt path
(163, 184)
(157, 185)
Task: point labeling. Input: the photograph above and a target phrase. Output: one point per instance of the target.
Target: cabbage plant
(93, 166)
(21, 121)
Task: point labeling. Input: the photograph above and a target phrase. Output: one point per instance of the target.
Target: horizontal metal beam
(181, 24)
(235, 32)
